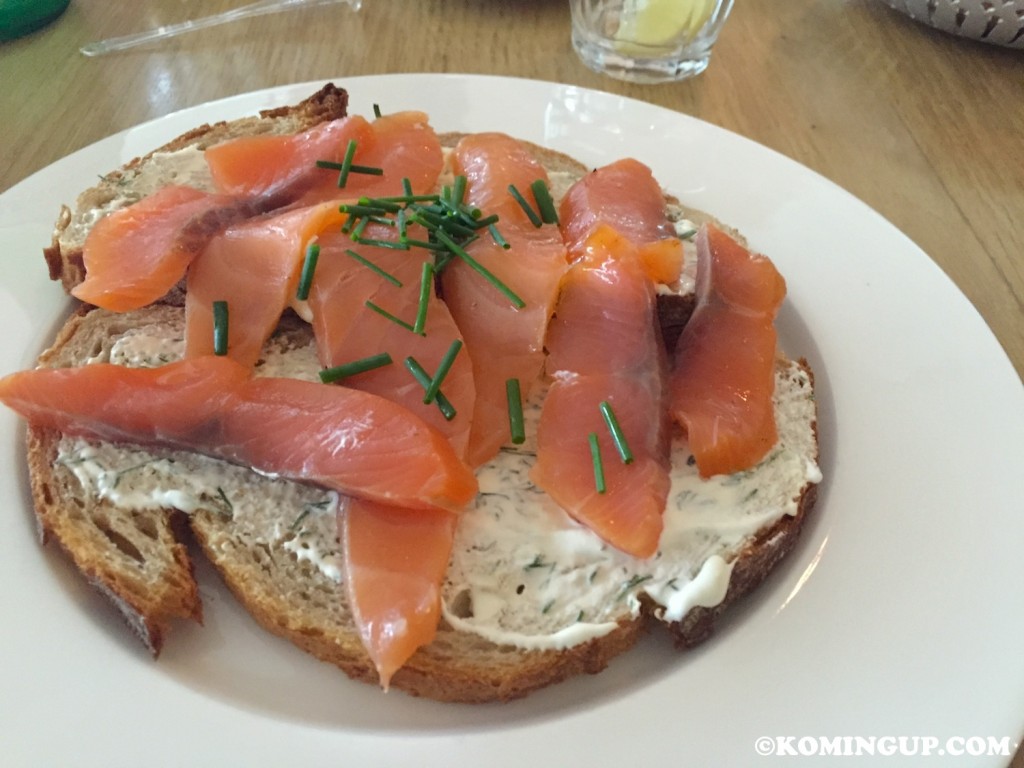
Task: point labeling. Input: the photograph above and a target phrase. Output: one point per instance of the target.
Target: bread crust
(288, 597)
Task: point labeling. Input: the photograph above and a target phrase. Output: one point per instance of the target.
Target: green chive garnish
(370, 265)
(376, 110)
(545, 203)
(383, 312)
(496, 236)
(394, 245)
(407, 186)
(346, 163)
(442, 370)
(338, 372)
(420, 374)
(357, 233)
(480, 223)
(364, 209)
(595, 456)
(459, 190)
(616, 431)
(426, 288)
(515, 411)
(220, 327)
(308, 268)
(391, 206)
(530, 213)
(517, 302)
(368, 170)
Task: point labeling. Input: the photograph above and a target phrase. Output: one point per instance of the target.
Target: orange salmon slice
(605, 347)
(254, 266)
(395, 561)
(401, 145)
(342, 439)
(503, 341)
(346, 329)
(135, 255)
(724, 376)
(626, 197)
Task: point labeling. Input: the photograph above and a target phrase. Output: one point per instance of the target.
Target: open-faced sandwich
(452, 412)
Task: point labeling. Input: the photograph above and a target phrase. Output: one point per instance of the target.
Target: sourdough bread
(274, 542)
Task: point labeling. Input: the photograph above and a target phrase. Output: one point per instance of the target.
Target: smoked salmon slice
(269, 164)
(503, 341)
(135, 255)
(626, 197)
(724, 376)
(342, 439)
(605, 348)
(395, 561)
(254, 266)
(347, 329)
(401, 145)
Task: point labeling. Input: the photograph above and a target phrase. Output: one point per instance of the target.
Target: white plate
(900, 613)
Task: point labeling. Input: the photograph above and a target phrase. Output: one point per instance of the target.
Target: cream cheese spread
(522, 572)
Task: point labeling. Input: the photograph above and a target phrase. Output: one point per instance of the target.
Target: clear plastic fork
(259, 8)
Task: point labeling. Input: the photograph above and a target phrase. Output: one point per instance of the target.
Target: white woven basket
(1000, 22)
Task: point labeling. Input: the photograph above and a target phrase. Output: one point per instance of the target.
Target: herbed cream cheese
(522, 572)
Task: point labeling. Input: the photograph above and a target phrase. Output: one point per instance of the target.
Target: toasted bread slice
(279, 562)
(268, 557)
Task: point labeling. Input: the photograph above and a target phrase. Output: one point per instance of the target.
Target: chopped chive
(616, 431)
(220, 327)
(515, 411)
(545, 203)
(357, 209)
(394, 245)
(357, 233)
(530, 213)
(517, 302)
(308, 267)
(384, 313)
(424, 244)
(409, 198)
(497, 237)
(380, 202)
(420, 374)
(442, 370)
(595, 456)
(332, 165)
(366, 170)
(435, 221)
(407, 186)
(480, 223)
(338, 372)
(459, 189)
(426, 288)
(349, 224)
(346, 163)
(370, 265)
(376, 110)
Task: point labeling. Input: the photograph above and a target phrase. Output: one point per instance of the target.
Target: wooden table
(926, 128)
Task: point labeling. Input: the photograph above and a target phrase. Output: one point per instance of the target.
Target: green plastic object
(19, 17)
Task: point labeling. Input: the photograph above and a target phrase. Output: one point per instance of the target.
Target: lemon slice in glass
(653, 23)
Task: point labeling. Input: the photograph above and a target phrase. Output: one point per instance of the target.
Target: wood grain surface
(927, 128)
